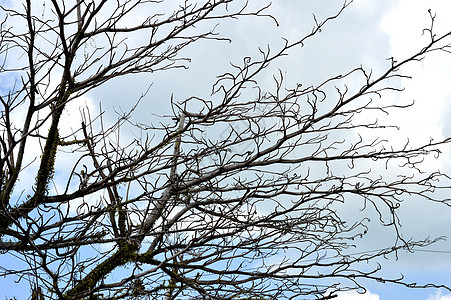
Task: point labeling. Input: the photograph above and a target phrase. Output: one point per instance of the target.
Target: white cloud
(428, 87)
(406, 23)
(354, 295)
(439, 296)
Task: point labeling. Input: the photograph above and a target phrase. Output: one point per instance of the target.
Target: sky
(367, 33)
(394, 28)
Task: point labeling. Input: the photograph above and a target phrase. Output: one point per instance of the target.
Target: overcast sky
(367, 33)
(381, 29)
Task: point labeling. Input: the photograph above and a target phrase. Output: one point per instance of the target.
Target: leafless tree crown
(234, 196)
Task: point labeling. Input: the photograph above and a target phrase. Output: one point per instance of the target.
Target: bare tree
(196, 206)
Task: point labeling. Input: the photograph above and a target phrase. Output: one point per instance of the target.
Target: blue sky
(367, 33)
